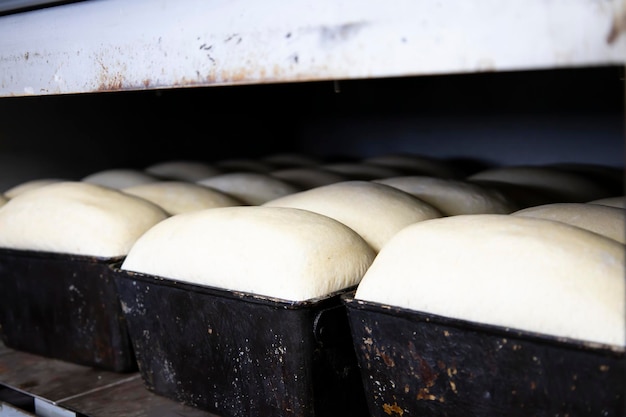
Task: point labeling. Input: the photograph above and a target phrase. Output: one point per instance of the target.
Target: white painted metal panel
(109, 45)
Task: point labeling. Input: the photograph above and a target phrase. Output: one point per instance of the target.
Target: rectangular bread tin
(238, 354)
(63, 307)
(417, 364)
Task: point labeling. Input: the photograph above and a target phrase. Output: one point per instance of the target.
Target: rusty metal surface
(419, 364)
(116, 45)
(64, 307)
(85, 390)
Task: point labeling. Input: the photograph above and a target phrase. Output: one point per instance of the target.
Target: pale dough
(563, 186)
(619, 201)
(453, 197)
(119, 178)
(29, 185)
(285, 253)
(177, 197)
(308, 177)
(182, 170)
(517, 272)
(252, 188)
(76, 217)
(412, 164)
(604, 220)
(375, 211)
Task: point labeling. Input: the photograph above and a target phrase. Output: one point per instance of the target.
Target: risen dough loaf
(523, 273)
(453, 197)
(604, 220)
(119, 178)
(182, 170)
(374, 211)
(29, 185)
(361, 170)
(411, 164)
(252, 188)
(561, 186)
(285, 253)
(619, 201)
(76, 218)
(177, 197)
(308, 177)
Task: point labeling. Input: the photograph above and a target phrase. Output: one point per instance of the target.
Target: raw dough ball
(285, 253)
(453, 197)
(518, 272)
(554, 184)
(182, 170)
(119, 178)
(619, 201)
(604, 220)
(76, 217)
(374, 211)
(308, 177)
(252, 188)
(177, 197)
(29, 185)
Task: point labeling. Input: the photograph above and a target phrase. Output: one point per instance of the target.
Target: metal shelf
(31, 385)
(112, 45)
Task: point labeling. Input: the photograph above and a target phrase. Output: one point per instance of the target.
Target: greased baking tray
(238, 354)
(418, 364)
(64, 307)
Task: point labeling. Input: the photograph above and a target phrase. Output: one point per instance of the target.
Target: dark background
(526, 117)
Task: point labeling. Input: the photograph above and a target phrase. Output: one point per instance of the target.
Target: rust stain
(426, 373)
(423, 394)
(387, 359)
(340, 33)
(618, 24)
(393, 409)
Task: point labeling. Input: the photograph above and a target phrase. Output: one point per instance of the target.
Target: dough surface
(119, 178)
(604, 220)
(375, 211)
(453, 197)
(522, 273)
(285, 253)
(78, 218)
(177, 197)
(182, 170)
(252, 188)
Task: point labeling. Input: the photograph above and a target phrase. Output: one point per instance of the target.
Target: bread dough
(361, 170)
(76, 217)
(308, 177)
(375, 211)
(119, 178)
(453, 197)
(563, 186)
(177, 197)
(285, 253)
(182, 170)
(411, 164)
(604, 220)
(252, 188)
(619, 201)
(523, 273)
(29, 185)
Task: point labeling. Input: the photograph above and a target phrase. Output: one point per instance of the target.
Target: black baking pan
(64, 307)
(418, 364)
(238, 354)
